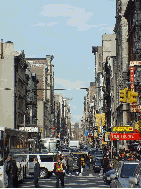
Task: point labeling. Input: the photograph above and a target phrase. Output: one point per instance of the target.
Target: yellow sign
(122, 129)
(95, 134)
(107, 136)
(104, 142)
(100, 119)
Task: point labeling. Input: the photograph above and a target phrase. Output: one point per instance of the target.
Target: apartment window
(99, 63)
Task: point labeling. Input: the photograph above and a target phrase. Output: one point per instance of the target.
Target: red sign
(127, 136)
(132, 77)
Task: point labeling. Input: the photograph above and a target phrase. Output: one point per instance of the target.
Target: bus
(12, 141)
(49, 145)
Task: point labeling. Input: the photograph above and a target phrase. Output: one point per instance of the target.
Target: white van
(46, 162)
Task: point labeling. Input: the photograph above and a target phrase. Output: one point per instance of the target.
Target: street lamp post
(118, 145)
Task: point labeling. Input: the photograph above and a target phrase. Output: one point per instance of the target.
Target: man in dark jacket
(106, 165)
(36, 172)
(79, 164)
(11, 171)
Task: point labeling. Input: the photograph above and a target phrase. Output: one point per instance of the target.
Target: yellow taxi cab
(77, 154)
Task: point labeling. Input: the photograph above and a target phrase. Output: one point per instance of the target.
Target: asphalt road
(88, 179)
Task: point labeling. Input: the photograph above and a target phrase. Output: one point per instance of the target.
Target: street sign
(127, 136)
(87, 133)
(123, 129)
(29, 129)
(133, 63)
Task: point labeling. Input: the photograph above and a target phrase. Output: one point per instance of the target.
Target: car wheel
(43, 173)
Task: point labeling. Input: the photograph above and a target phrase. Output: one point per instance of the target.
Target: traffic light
(140, 124)
(103, 119)
(123, 95)
(129, 97)
(137, 126)
(133, 94)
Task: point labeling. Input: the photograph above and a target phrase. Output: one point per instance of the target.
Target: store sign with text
(126, 136)
(122, 129)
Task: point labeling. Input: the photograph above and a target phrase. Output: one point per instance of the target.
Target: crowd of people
(64, 165)
(123, 155)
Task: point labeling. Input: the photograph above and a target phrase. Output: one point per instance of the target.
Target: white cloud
(69, 84)
(52, 23)
(108, 29)
(77, 17)
(78, 117)
(39, 24)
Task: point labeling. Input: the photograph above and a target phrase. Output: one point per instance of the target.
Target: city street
(87, 180)
(70, 94)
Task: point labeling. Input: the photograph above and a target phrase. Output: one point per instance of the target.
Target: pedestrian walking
(90, 158)
(70, 166)
(87, 161)
(11, 171)
(67, 166)
(58, 170)
(64, 163)
(36, 172)
(105, 165)
(115, 162)
(15, 174)
(79, 163)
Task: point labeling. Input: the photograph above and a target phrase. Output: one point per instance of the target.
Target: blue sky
(66, 29)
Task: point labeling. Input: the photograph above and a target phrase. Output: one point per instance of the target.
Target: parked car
(121, 176)
(106, 176)
(46, 162)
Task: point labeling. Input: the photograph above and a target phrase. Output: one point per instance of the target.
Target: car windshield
(128, 170)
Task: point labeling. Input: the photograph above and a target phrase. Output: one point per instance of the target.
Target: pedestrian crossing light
(123, 95)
